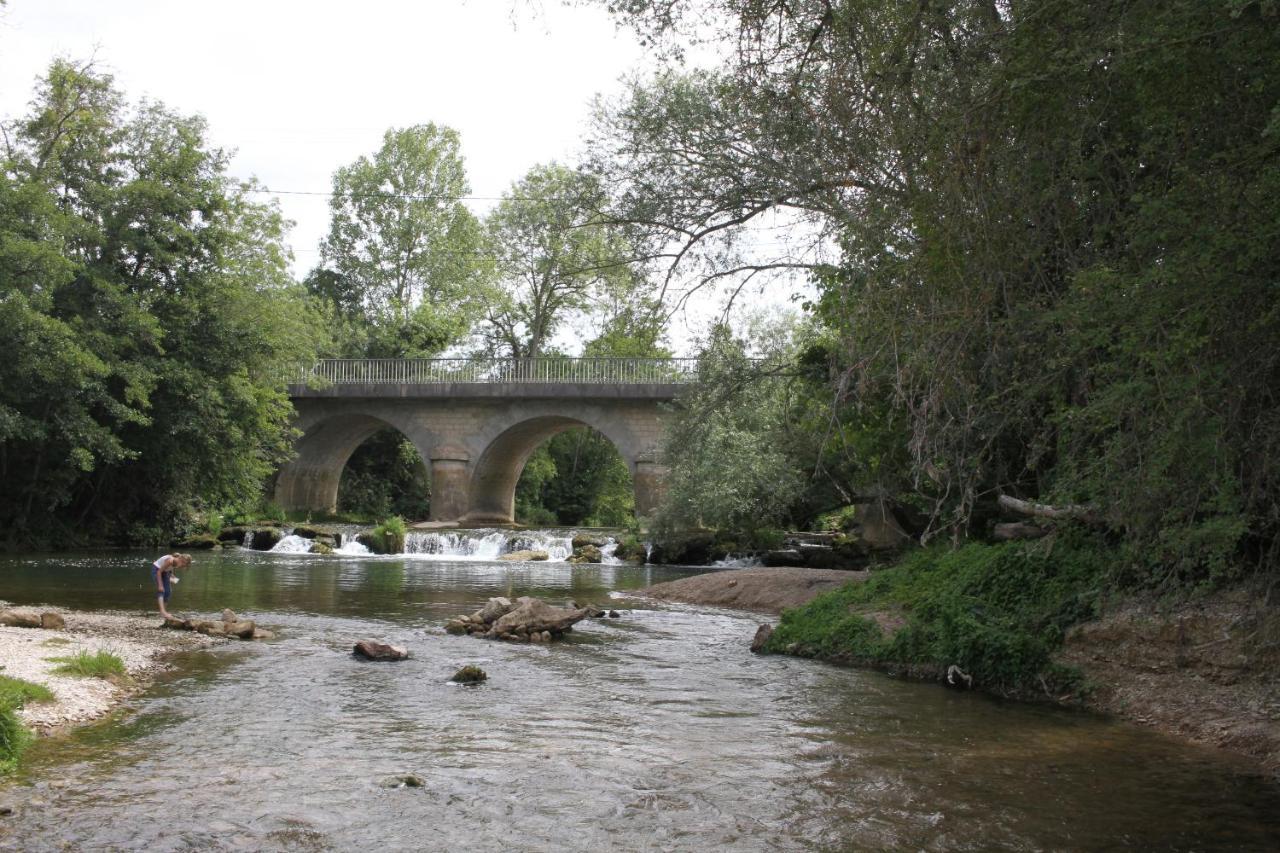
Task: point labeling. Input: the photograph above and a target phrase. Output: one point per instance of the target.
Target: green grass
(14, 737)
(997, 611)
(14, 692)
(100, 664)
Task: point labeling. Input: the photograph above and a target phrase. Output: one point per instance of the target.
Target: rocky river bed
(656, 730)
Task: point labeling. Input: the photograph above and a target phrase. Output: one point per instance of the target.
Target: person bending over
(162, 572)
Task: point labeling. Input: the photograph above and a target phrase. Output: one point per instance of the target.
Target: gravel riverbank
(137, 640)
(761, 590)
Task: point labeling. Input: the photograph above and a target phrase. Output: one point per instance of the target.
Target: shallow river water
(655, 731)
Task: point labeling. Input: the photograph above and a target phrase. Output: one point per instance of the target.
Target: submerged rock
(409, 780)
(374, 650)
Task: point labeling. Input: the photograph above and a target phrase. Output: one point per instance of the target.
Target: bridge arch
(311, 480)
(498, 470)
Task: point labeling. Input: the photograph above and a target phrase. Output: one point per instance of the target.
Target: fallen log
(1017, 530)
(1069, 512)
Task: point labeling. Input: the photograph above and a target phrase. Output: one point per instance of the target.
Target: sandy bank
(762, 590)
(136, 640)
(1208, 670)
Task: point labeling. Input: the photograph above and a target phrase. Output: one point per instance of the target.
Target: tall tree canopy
(554, 259)
(148, 318)
(1058, 231)
(401, 241)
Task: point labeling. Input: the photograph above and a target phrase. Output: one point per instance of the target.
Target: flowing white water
(465, 545)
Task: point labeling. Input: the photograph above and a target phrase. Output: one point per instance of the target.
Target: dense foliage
(996, 611)
(1057, 231)
(147, 317)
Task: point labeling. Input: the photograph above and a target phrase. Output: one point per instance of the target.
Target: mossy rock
(320, 548)
(388, 544)
(234, 534)
(266, 538)
(469, 674)
(582, 540)
(198, 542)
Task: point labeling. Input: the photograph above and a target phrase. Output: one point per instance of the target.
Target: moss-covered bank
(998, 612)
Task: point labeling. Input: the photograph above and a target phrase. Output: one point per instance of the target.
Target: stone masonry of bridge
(476, 438)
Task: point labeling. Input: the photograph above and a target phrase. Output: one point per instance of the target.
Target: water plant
(99, 664)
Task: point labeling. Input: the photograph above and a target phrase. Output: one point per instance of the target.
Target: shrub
(390, 534)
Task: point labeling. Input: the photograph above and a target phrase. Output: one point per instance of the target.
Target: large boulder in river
(586, 554)
(525, 556)
(533, 616)
(19, 618)
(583, 539)
(374, 650)
(494, 609)
(266, 538)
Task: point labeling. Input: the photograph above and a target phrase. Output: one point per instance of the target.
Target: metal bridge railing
(431, 371)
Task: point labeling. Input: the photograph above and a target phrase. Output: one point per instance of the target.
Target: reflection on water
(656, 731)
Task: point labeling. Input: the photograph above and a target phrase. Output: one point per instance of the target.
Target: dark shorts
(164, 579)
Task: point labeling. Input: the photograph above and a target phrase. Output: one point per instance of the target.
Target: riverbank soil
(1209, 671)
(760, 590)
(137, 640)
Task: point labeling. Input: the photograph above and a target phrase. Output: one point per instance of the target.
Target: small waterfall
(352, 548)
(292, 545)
(455, 545)
(487, 544)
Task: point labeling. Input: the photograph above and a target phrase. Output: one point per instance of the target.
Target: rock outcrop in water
(229, 625)
(374, 650)
(528, 620)
(525, 556)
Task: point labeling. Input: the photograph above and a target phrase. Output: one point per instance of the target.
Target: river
(657, 730)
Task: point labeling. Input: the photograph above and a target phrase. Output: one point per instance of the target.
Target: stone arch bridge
(475, 423)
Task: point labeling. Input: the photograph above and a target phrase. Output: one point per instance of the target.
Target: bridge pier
(450, 483)
(650, 482)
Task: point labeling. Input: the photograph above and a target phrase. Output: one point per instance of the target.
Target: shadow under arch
(311, 479)
(496, 473)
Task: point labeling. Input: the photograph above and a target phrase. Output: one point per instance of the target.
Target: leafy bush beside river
(996, 611)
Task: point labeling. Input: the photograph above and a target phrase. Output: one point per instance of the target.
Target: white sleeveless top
(163, 563)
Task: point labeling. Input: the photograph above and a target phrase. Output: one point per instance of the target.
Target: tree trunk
(1070, 512)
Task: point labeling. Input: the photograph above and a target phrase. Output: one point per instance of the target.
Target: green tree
(401, 241)
(1056, 226)
(554, 259)
(149, 318)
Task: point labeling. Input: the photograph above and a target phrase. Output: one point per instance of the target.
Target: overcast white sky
(297, 89)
